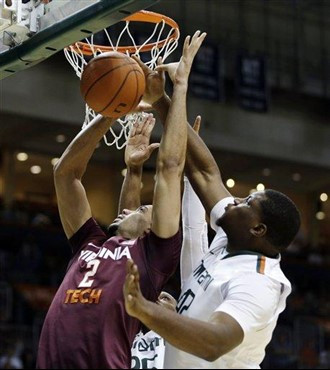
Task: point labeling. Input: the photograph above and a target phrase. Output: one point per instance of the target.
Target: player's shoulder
(153, 238)
(89, 232)
(218, 210)
(255, 281)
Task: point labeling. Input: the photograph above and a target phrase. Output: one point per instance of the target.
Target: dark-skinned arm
(208, 340)
(201, 167)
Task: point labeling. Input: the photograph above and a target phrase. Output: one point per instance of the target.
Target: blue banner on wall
(252, 87)
(206, 80)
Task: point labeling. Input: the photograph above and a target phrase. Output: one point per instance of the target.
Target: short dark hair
(281, 217)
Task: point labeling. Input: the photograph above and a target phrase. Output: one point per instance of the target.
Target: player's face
(243, 215)
(132, 224)
(166, 300)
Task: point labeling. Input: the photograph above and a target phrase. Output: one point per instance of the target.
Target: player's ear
(259, 230)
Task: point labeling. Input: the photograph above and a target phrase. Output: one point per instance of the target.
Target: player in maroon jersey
(86, 325)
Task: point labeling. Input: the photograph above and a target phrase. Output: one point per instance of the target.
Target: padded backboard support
(65, 25)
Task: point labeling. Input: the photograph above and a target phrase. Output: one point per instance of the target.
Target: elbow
(212, 353)
(210, 358)
(57, 169)
(207, 172)
(61, 170)
(217, 349)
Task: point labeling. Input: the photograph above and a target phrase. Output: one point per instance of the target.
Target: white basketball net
(119, 132)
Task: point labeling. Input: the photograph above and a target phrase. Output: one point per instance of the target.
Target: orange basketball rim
(141, 16)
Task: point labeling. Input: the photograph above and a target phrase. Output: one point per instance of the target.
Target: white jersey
(148, 349)
(195, 242)
(247, 286)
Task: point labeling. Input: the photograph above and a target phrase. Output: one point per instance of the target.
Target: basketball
(112, 84)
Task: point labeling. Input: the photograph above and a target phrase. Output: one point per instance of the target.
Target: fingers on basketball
(144, 107)
(144, 67)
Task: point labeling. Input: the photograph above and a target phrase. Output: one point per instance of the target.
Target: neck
(263, 248)
(124, 235)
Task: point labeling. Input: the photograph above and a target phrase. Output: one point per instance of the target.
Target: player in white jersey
(229, 306)
(148, 349)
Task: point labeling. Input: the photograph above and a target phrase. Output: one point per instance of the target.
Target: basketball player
(149, 348)
(86, 325)
(229, 306)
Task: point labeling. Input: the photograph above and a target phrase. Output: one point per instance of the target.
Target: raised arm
(194, 227)
(172, 150)
(137, 151)
(72, 201)
(194, 230)
(201, 168)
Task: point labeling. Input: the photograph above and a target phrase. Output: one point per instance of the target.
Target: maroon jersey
(87, 325)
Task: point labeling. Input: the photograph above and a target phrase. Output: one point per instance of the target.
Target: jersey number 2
(86, 282)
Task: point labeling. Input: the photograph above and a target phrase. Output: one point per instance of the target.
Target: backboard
(33, 30)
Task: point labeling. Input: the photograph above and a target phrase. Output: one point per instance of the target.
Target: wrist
(134, 169)
(181, 83)
(165, 99)
(146, 312)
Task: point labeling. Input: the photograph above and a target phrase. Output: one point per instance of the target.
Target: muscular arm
(172, 151)
(72, 201)
(130, 197)
(137, 151)
(201, 168)
(170, 164)
(208, 340)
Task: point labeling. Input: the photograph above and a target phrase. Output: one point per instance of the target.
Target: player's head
(263, 218)
(132, 224)
(166, 300)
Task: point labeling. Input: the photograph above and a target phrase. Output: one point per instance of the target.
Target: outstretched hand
(179, 72)
(138, 149)
(135, 303)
